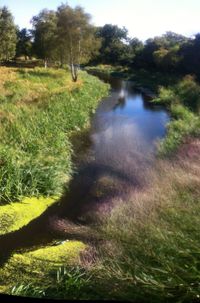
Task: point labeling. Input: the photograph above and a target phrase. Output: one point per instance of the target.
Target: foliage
(166, 95)
(24, 44)
(190, 53)
(45, 34)
(75, 36)
(188, 91)
(8, 36)
(185, 124)
(113, 48)
(65, 36)
(183, 100)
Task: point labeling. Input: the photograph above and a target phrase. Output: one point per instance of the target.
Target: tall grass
(183, 101)
(38, 111)
(155, 237)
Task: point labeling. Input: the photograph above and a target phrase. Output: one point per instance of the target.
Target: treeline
(170, 52)
(66, 36)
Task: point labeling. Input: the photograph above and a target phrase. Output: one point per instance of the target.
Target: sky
(142, 18)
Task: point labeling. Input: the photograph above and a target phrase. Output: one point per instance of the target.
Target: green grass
(160, 259)
(183, 101)
(35, 266)
(41, 112)
(150, 250)
(39, 109)
(15, 215)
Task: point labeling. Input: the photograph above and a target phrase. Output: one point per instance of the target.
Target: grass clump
(184, 123)
(34, 267)
(183, 101)
(39, 110)
(63, 282)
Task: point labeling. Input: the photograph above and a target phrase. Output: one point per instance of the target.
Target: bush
(166, 96)
(183, 100)
(185, 123)
(188, 92)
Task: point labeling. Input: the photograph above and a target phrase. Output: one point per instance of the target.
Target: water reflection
(125, 123)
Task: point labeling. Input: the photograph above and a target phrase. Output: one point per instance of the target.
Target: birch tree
(76, 37)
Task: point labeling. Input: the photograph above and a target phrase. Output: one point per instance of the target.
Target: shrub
(189, 93)
(185, 123)
(166, 96)
(183, 100)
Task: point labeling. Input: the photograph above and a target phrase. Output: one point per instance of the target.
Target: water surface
(126, 125)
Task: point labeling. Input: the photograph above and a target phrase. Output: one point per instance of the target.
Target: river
(126, 122)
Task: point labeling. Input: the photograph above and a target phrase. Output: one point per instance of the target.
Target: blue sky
(142, 18)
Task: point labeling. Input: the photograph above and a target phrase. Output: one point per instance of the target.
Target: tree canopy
(24, 43)
(8, 35)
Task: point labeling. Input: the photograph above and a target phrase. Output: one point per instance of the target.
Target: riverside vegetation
(40, 111)
(150, 242)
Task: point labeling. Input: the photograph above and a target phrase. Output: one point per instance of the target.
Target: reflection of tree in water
(121, 101)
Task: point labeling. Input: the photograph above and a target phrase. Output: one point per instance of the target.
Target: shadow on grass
(75, 207)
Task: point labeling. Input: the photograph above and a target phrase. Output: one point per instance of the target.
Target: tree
(167, 60)
(8, 37)
(44, 33)
(75, 37)
(24, 43)
(114, 43)
(145, 58)
(161, 52)
(190, 53)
